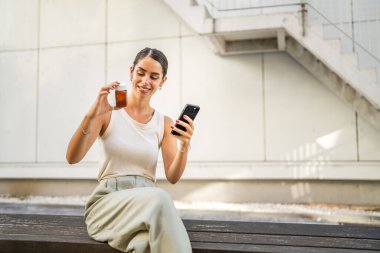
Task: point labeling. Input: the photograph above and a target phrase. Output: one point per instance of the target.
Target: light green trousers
(133, 215)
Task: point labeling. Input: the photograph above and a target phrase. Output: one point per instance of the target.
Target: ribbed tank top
(129, 147)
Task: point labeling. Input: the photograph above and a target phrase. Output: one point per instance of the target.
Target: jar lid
(122, 86)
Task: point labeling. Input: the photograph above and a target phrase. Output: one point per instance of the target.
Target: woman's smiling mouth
(143, 89)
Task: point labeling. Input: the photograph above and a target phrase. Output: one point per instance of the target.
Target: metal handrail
(252, 8)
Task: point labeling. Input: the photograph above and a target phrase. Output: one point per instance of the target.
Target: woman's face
(147, 76)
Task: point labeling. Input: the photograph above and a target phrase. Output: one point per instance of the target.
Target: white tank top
(129, 147)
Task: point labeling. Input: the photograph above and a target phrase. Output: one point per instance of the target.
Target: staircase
(252, 31)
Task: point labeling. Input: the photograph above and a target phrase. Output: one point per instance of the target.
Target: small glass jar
(121, 95)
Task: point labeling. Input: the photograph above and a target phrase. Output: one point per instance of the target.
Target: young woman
(126, 209)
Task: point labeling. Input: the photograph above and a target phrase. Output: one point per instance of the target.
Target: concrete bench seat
(32, 233)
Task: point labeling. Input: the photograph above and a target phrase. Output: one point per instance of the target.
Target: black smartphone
(191, 111)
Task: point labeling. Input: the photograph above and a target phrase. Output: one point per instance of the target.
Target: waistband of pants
(127, 182)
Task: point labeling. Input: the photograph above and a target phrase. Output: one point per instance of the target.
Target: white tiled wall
(187, 30)
(70, 78)
(142, 19)
(366, 9)
(72, 22)
(229, 92)
(369, 139)
(305, 121)
(18, 24)
(254, 107)
(337, 11)
(18, 97)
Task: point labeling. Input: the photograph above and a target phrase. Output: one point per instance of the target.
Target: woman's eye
(140, 73)
(154, 77)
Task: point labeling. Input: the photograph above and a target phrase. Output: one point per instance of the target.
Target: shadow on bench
(32, 233)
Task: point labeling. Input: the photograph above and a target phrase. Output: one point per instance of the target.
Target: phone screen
(191, 111)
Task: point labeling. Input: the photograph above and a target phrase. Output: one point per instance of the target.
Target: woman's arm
(175, 158)
(90, 127)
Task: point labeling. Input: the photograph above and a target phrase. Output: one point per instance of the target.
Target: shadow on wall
(318, 150)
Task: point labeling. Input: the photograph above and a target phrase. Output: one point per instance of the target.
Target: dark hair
(156, 55)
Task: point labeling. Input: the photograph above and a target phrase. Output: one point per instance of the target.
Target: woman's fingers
(191, 123)
(187, 133)
(184, 134)
(113, 84)
(110, 86)
(103, 92)
(189, 127)
(102, 106)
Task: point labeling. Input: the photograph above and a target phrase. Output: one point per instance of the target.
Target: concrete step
(334, 43)
(370, 73)
(315, 29)
(351, 58)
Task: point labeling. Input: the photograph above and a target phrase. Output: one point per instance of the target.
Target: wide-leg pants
(133, 215)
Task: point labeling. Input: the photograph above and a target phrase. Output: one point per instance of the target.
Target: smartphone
(191, 111)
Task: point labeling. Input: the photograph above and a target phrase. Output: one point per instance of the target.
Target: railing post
(303, 18)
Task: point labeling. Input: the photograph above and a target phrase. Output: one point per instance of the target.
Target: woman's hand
(184, 136)
(101, 105)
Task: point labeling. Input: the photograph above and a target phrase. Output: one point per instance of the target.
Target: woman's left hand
(184, 136)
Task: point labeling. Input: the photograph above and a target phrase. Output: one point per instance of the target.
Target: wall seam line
(38, 78)
(106, 43)
(180, 67)
(263, 105)
(357, 137)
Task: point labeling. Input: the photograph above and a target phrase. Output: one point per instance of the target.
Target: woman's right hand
(101, 105)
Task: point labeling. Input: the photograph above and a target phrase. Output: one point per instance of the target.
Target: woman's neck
(138, 106)
(139, 110)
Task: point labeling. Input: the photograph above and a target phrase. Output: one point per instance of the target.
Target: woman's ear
(163, 80)
(131, 72)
